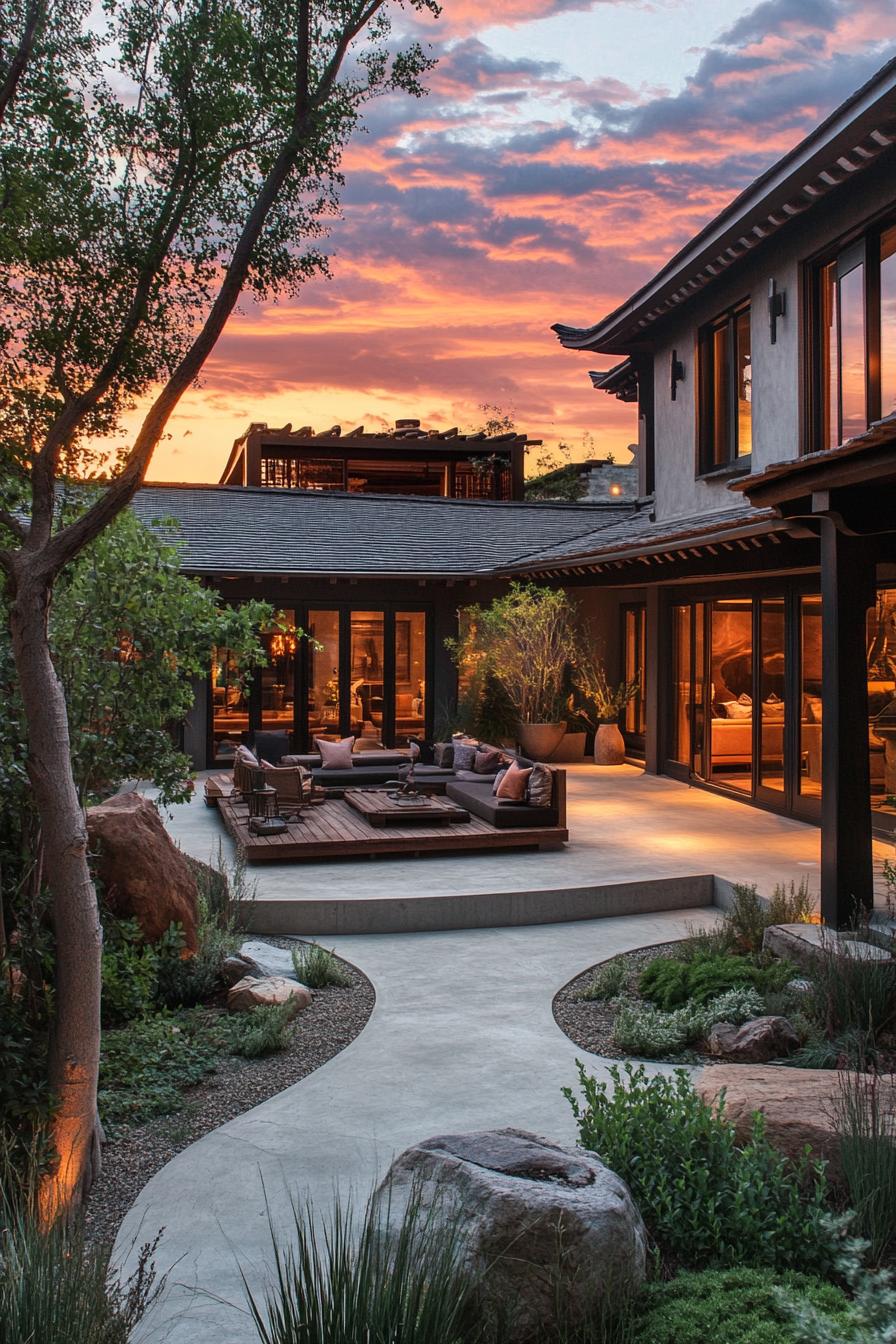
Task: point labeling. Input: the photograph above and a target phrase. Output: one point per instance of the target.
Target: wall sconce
(777, 307)
(676, 374)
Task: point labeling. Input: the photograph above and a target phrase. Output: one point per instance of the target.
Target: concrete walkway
(462, 1037)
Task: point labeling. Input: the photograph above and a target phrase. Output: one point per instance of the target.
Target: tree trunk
(73, 1064)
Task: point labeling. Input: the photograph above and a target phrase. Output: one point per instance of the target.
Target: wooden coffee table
(378, 809)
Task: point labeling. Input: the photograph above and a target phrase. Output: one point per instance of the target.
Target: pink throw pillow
(335, 755)
(514, 784)
(487, 762)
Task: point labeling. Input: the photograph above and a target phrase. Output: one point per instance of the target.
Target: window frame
(861, 246)
(733, 464)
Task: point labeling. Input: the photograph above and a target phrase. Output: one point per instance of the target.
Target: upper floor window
(726, 391)
(856, 338)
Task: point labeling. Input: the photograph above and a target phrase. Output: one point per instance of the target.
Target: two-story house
(758, 579)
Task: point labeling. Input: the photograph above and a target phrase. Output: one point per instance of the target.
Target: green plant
(265, 1030)
(852, 994)
(26, 1102)
(694, 1308)
(340, 1279)
(707, 1200)
(848, 1049)
(872, 1317)
(670, 982)
(648, 1032)
(714, 942)
(865, 1118)
(605, 702)
(222, 891)
(738, 1005)
(129, 969)
(607, 982)
(56, 1288)
(749, 915)
(316, 967)
(145, 1066)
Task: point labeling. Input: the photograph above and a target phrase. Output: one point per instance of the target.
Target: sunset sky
(562, 155)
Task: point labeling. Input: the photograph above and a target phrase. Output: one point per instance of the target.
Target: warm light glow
(616, 490)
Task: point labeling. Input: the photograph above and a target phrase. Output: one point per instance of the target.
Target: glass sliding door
(367, 673)
(679, 735)
(772, 699)
(410, 676)
(809, 776)
(634, 625)
(881, 645)
(324, 693)
(230, 704)
(278, 677)
(731, 694)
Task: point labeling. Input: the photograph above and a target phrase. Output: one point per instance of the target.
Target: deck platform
(332, 829)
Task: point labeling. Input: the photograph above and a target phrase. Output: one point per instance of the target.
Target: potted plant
(522, 641)
(606, 703)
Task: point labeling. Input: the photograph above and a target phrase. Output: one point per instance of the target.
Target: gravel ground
(589, 1023)
(328, 1025)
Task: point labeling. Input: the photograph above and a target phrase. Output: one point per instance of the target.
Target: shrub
(690, 1308)
(316, 967)
(640, 1029)
(750, 916)
(129, 969)
(264, 1030)
(872, 1318)
(737, 1005)
(607, 982)
(706, 1201)
(339, 1279)
(866, 1124)
(145, 1066)
(26, 1102)
(669, 982)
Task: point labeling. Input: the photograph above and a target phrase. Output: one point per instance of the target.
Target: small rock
(800, 987)
(755, 1042)
(238, 967)
(270, 960)
(252, 992)
(538, 1223)
(806, 944)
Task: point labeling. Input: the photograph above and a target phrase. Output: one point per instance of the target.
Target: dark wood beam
(847, 590)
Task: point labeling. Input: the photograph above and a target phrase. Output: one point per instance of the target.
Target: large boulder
(144, 875)
(756, 1042)
(799, 1106)
(807, 944)
(539, 1224)
(266, 992)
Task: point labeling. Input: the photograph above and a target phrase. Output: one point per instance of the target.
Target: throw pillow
(443, 755)
(498, 777)
(246, 757)
(735, 710)
(541, 786)
(514, 784)
(335, 755)
(486, 762)
(464, 756)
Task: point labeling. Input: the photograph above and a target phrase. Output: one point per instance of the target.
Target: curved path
(462, 1037)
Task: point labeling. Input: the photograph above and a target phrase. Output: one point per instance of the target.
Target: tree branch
(22, 55)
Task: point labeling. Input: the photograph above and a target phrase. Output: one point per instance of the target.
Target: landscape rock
(270, 960)
(806, 944)
(538, 1223)
(800, 986)
(755, 1042)
(144, 875)
(798, 1104)
(237, 968)
(254, 992)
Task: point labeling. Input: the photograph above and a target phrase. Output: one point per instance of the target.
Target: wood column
(653, 670)
(847, 590)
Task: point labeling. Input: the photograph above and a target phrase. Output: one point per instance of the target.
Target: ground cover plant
(316, 967)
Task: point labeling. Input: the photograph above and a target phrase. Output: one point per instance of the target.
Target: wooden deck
(333, 830)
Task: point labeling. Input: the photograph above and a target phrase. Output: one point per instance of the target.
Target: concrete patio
(638, 843)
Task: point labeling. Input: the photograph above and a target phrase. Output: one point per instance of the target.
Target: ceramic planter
(571, 748)
(609, 744)
(538, 740)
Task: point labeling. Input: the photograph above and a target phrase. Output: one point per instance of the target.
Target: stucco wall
(777, 369)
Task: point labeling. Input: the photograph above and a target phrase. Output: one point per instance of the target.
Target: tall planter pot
(570, 749)
(538, 740)
(609, 744)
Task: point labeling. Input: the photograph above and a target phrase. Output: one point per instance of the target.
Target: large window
(725, 391)
(855, 358)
